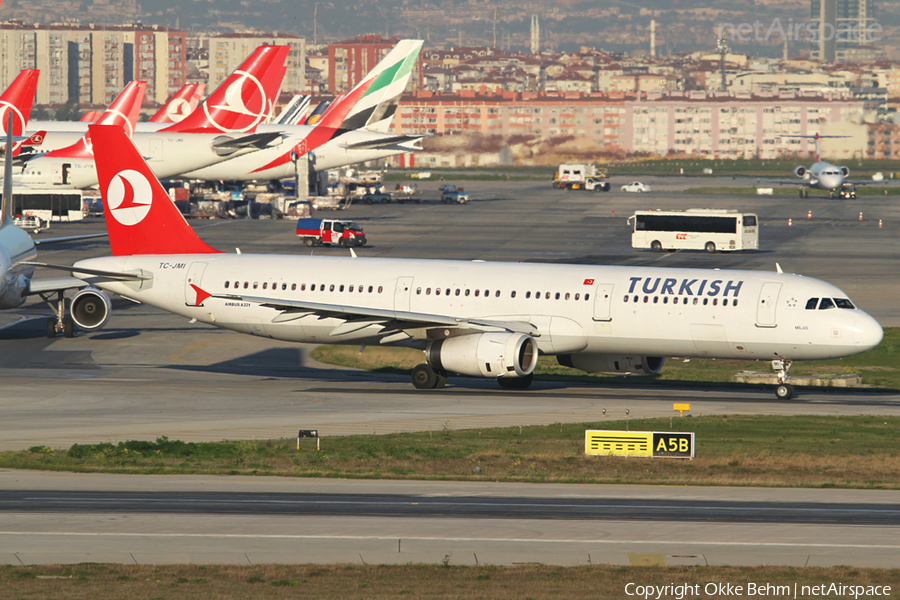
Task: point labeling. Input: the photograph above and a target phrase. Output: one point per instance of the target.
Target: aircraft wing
(55, 284)
(71, 238)
(393, 322)
(117, 275)
(776, 181)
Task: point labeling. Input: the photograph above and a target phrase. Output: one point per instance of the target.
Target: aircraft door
(602, 301)
(765, 307)
(193, 296)
(402, 293)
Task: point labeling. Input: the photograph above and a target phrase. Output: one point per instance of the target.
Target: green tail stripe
(383, 79)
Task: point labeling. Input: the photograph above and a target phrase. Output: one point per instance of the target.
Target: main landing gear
(784, 391)
(426, 378)
(59, 323)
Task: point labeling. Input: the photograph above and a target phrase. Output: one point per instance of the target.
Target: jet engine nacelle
(615, 365)
(485, 354)
(800, 172)
(90, 309)
(845, 171)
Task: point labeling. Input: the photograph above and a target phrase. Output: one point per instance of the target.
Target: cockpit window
(826, 303)
(812, 303)
(843, 303)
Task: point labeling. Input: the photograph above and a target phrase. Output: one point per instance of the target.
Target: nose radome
(867, 332)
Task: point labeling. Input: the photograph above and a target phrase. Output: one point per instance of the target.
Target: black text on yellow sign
(639, 443)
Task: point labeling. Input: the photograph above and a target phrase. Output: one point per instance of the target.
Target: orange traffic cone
(809, 214)
(860, 216)
(879, 223)
(789, 223)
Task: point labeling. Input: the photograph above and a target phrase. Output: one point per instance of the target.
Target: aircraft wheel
(68, 327)
(656, 246)
(51, 328)
(424, 377)
(516, 383)
(785, 391)
(710, 247)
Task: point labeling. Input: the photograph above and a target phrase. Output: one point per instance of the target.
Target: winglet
(140, 217)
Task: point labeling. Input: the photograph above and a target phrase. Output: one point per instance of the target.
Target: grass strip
(880, 366)
(776, 451)
(372, 582)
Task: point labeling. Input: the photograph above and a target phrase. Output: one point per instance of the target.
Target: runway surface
(49, 518)
(149, 374)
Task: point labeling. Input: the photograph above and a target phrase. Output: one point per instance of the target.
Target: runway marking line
(445, 539)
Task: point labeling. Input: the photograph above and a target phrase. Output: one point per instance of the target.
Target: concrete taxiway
(149, 374)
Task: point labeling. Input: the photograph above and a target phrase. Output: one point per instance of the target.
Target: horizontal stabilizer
(226, 145)
(385, 142)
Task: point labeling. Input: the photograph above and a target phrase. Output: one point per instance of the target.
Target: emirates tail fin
(372, 102)
(244, 100)
(140, 216)
(19, 98)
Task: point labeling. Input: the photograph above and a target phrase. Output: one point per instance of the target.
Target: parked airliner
(474, 318)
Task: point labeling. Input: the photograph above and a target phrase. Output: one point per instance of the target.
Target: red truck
(330, 231)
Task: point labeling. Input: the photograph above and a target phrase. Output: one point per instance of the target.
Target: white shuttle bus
(707, 229)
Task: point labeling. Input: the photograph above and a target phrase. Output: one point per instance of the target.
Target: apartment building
(90, 65)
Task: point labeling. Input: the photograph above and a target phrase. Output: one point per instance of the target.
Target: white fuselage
(239, 167)
(574, 308)
(168, 154)
(825, 176)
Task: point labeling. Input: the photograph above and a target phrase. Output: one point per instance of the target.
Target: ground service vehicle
(848, 191)
(694, 229)
(452, 194)
(580, 177)
(330, 231)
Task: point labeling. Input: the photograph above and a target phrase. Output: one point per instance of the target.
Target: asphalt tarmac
(149, 373)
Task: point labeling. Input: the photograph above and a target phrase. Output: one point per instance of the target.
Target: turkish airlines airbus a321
(474, 318)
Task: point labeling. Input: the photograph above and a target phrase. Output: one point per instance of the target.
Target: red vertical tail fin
(178, 106)
(122, 113)
(140, 216)
(244, 100)
(18, 98)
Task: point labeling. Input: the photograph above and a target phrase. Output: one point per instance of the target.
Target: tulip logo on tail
(129, 197)
(178, 109)
(247, 116)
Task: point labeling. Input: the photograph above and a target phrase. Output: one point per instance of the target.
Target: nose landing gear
(784, 391)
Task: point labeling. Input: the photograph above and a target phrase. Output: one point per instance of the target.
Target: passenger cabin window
(812, 303)
(227, 283)
(826, 303)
